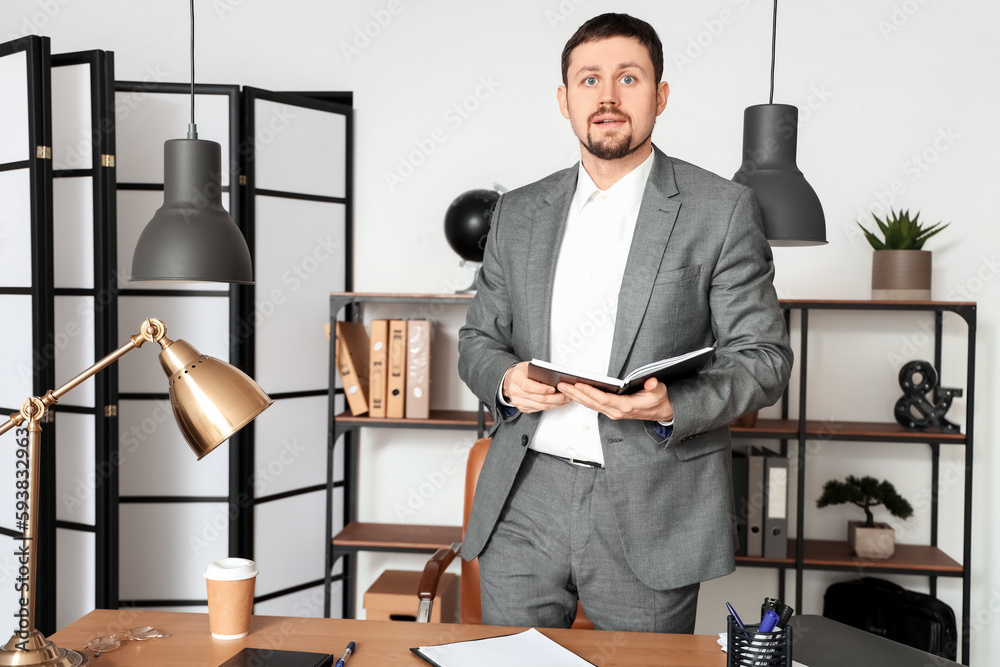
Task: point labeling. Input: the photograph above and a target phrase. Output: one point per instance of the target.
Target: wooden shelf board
(869, 304)
(917, 558)
(817, 429)
(452, 418)
(397, 536)
(363, 296)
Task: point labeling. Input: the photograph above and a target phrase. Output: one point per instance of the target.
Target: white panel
(11, 442)
(75, 567)
(296, 552)
(145, 120)
(8, 574)
(156, 460)
(72, 125)
(304, 604)
(300, 150)
(14, 110)
(290, 444)
(300, 260)
(135, 209)
(15, 227)
(73, 222)
(165, 548)
(16, 360)
(201, 321)
(77, 481)
(74, 346)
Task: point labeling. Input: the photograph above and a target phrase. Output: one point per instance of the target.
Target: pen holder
(760, 649)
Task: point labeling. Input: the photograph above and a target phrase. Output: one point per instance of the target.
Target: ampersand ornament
(914, 411)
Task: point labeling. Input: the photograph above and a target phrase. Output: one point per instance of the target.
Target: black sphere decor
(467, 222)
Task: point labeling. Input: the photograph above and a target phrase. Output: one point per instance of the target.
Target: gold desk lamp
(211, 400)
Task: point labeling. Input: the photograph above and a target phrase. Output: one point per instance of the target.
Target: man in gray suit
(621, 502)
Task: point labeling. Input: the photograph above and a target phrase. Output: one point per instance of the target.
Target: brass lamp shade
(211, 399)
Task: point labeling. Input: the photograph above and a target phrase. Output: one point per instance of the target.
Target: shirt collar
(630, 186)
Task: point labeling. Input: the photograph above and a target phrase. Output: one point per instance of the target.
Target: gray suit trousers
(557, 541)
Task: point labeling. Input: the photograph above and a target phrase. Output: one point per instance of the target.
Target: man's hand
(527, 395)
(651, 402)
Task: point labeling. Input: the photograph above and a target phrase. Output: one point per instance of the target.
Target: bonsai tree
(866, 492)
(900, 232)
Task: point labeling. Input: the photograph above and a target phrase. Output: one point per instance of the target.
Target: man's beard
(611, 148)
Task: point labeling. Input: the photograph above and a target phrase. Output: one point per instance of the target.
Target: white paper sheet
(526, 649)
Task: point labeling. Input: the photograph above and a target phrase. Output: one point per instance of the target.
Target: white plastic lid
(231, 569)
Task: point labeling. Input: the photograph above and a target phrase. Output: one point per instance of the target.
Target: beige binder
(418, 369)
(352, 362)
(378, 361)
(396, 389)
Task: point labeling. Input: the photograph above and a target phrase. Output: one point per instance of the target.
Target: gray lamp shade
(792, 213)
(191, 237)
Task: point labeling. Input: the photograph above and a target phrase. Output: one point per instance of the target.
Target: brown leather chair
(471, 611)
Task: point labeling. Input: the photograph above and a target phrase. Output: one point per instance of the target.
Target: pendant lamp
(792, 213)
(192, 237)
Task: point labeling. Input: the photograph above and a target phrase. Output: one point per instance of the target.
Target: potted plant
(868, 539)
(901, 269)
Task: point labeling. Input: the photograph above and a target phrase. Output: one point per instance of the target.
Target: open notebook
(525, 649)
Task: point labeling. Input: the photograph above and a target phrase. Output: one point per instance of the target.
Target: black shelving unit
(357, 536)
(802, 555)
(924, 560)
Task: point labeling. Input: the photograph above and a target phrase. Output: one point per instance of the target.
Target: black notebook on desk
(265, 657)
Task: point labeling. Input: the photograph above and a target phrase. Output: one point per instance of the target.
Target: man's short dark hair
(616, 25)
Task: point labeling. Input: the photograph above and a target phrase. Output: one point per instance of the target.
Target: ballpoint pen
(736, 617)
(347, 654)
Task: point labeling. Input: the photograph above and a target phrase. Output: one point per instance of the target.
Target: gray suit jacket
(699, 273)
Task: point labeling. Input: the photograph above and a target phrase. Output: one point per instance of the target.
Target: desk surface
(379, 643)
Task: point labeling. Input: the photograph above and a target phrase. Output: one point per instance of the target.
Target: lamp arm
(152, 329)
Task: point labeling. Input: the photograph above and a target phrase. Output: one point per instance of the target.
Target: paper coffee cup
(230, 584)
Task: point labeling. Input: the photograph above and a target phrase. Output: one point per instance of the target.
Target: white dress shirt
(588, 277)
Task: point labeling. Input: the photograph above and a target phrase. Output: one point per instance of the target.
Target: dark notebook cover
(265, 657)
(665, 370)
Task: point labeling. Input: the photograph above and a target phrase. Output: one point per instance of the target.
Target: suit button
(524, 441)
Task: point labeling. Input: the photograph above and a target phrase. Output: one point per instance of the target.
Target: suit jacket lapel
(657, 215)
(546, 237)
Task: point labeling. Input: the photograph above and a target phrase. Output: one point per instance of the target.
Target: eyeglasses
(111, 642)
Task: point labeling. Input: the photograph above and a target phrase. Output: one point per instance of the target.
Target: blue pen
(347, 654)
(736, 617)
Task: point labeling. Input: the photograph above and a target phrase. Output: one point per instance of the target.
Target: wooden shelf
(835, 555)
(360, 536)
(914, 558)
(396, 297)
(817, 429)
(869, 304)
(457, 419)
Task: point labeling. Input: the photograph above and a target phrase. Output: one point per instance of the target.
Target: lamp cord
(774, 35)
(192, 128)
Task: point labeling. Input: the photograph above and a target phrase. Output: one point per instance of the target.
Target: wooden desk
(380, 643)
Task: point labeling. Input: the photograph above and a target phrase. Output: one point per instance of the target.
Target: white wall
(894, 95)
